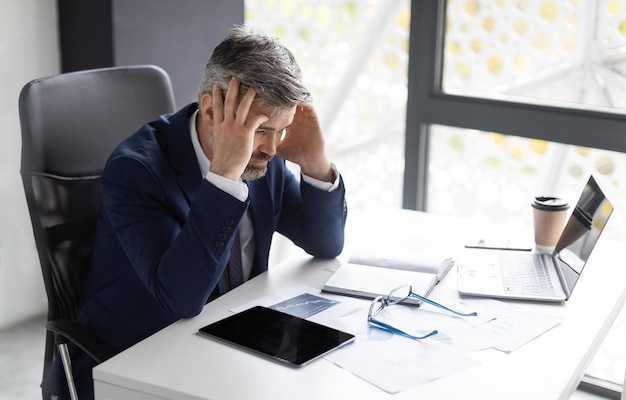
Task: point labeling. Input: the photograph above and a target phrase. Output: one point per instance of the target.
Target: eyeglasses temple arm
(434, 303)
(398, 331)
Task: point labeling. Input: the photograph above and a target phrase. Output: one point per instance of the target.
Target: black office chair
(70, 124)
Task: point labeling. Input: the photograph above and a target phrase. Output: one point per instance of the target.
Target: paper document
(305, 302)
(391, 362)
(514, 328)
(503, 325)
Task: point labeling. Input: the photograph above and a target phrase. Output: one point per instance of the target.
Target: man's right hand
(234, 126)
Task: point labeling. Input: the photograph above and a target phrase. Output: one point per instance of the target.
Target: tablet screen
(281, 336)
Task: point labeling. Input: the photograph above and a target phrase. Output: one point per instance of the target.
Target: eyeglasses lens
(399, 294)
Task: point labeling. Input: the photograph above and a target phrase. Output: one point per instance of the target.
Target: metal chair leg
(624, 387)
(67, 366)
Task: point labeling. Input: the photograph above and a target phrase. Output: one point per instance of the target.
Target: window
(473, 139)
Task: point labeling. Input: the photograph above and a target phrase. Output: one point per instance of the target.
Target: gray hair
(257, 61)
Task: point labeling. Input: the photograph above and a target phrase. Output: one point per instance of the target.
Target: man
(178, 193)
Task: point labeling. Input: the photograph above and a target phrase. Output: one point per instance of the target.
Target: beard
(251, 172)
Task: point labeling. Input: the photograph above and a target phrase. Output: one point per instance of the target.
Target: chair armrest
(83, 337)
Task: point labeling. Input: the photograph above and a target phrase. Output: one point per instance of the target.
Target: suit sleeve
(178, 252)
(314, 219)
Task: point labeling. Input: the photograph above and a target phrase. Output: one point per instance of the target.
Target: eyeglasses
(397, 296)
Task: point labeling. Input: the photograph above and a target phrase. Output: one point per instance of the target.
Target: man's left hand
(303, 144)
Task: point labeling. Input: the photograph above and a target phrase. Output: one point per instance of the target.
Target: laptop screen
(581, 233)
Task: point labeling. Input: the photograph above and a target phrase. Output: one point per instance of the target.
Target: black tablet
(282, 337)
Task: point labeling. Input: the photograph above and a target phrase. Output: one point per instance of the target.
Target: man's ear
(206, 107)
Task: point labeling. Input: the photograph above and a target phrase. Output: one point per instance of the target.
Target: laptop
(529, 275)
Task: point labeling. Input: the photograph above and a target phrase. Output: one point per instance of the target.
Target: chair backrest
(70, 124)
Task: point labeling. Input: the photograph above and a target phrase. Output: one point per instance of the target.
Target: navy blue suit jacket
(164, 233)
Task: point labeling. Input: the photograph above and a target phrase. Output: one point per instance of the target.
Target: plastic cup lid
(550, 203)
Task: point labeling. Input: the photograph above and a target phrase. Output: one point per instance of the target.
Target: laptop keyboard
(525, 274)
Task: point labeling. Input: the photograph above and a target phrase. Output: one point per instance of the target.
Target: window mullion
(425, 67)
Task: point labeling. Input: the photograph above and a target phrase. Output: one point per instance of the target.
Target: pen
(447, 265)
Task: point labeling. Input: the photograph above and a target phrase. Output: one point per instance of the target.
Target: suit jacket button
(230, 221)
(227, 229)
(219, 244)
(222, 237)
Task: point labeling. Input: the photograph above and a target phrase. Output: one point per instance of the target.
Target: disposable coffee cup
(549, 215)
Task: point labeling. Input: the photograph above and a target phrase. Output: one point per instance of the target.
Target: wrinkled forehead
(275, 114)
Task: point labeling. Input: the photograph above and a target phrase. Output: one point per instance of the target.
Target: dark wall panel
(85, 34)
(177, 35)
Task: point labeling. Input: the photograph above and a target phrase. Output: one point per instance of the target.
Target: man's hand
(303, 144)
(233, 131)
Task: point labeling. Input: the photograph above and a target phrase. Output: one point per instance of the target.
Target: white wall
(28, 49)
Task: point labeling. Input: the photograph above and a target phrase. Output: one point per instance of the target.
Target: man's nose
(267, 144)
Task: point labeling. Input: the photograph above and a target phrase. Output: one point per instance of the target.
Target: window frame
(428, 104)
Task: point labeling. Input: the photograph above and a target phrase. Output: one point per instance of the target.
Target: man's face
(267, 136)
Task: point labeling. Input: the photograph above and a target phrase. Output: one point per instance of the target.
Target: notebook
(539, 276)
(369, 281)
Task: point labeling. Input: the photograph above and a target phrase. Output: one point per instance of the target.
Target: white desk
(177, 363)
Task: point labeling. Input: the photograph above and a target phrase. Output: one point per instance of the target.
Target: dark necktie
(235, 269)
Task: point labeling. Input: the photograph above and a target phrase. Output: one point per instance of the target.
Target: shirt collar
(203, 160)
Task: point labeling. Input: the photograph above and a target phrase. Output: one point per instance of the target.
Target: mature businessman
(184, 189)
